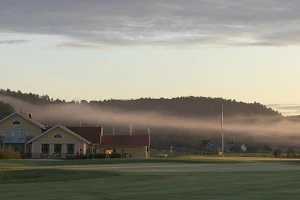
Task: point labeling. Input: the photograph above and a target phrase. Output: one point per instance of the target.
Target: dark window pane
(70, 148)
(45, 148)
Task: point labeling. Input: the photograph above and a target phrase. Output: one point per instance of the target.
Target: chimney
(30, 116)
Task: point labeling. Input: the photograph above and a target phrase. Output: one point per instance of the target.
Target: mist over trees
(162, 138)
(180, 106)
(5, 109)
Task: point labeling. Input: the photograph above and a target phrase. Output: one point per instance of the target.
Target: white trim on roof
(63, 128)
(112, 145)
(24, 117)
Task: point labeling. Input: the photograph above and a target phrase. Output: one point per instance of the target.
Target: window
(93, 149)
(15, 132)
(16, 122)
(70, 148)
(57, 136)
(45, 148)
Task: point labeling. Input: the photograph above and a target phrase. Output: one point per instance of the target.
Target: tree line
(196, 107)
(181, 106)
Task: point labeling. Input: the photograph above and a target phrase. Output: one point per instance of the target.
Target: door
(57, 148)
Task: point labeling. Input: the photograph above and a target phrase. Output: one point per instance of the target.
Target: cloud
(158, 23)
(286, 109)
(67, 45)
(13, 41)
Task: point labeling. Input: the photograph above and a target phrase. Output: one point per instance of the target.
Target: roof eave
(108, 145)
(16, 113)
(63, 128)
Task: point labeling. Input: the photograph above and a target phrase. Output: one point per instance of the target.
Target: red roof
(125, 140)
(91, 134)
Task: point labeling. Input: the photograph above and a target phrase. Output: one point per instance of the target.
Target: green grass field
(186, 177)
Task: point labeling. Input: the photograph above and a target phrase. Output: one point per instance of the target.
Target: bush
(99, 155)
(290, 153)
(9, 153)
(81, 157)
(116, 155)
(267, 148)
(251, 149)
(71, 157)
(235, 149)
(277, 152)
(88, 156)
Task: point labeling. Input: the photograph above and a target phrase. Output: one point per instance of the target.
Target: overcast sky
(244, 50)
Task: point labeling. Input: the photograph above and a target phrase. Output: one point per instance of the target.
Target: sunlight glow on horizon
(242, 73)
(96, 50)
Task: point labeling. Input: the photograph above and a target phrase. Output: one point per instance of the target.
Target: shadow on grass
(21, 163)
(50, 175)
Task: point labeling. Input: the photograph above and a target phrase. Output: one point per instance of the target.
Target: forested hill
(181, 106)
(5, 109)
(161, 137)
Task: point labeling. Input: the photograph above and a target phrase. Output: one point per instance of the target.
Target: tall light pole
(222, 121)
(29, 109)
(113, 131)
(149, 148)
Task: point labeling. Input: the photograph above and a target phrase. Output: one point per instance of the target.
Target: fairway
(178, 167)
(165, 180)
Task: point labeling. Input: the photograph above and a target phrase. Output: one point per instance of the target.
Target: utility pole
(222, 121)
(113, 131)
(149, 148)
(130, 128)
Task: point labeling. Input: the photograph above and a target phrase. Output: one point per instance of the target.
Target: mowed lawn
(119, 180)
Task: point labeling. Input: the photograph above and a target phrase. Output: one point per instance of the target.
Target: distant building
(236, 147)
(178, 150)
(214, 147)
(131, 146)
(210, 147)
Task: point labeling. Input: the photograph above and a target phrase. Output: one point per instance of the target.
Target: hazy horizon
(263, 129)
(95, 50)
(284, 109)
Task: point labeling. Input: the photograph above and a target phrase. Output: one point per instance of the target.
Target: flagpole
(222, 119)
(149, 150)
(113, 126)
(130, 128)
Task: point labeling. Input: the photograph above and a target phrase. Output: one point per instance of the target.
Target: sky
(95, 50)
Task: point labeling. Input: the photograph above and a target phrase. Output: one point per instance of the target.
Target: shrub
(116, 155)
(9, 153)
(267, 148)
(235, 149)
(87, 156)
(251, 149)
(72, 157)
(99, 155)
(290, 153)
(81, 157)
(277, 152)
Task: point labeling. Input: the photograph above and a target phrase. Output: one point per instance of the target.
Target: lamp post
(222, 123)
(93, 151)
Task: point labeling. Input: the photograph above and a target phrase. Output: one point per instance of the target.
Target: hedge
(9, 153)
